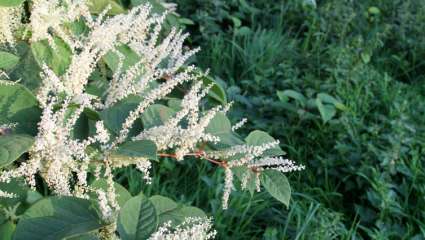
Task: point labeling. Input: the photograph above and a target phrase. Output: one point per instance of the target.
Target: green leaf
(139, 148)
(325, 98)
(163, 204)
(374, 10)
(236, 21)
(10, 3)
(221, 127)
(327, 112)
(257, 138)
(365, 57)
(137, 219)
(88, 236)
(177, 216)
(156, 115)
(12, 147)
(27, 70)
(57, 59)
(175, 104)
(33, 196)
(217, 91)
(285, 95)
(57, 218)
(186, 21)
(16, 187)
(97, 6)
(277, 185)
(18, 105)
(122, 194)
(115, 116)
(6, 230)
(168, 210)
(219, 124)
(130, 58)
(8, 60)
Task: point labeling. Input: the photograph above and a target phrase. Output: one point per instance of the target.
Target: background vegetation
(341, 84)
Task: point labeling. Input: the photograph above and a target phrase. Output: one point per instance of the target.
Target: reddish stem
(198, 154)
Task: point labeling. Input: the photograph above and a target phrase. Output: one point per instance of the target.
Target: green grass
(364, 176)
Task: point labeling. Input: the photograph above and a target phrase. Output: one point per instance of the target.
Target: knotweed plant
(114, 90)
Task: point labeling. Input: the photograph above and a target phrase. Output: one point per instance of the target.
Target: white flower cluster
(49, 17)
(190, 229)
(10, 21)
(63, 98)
(7, 128)
(61, 158)
(56, 151)
(4, 194)
(251, 157)
(171, 135)
(277, 163)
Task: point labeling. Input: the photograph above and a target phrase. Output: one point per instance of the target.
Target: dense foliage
(93, 96)
(341, 84)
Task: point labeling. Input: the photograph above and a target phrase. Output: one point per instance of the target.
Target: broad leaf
(6, 230)
(18, 105)
(257, 138)
(87, 236)
(57, 218)
(168, 210)
(13, 146)
(277, 185)
(326, 98)
(57, 59)
(221, 127)
(163, 204)
(216, 92)
(10, 3)
(327, 112)
(130, 58)
(137, 219)
(285, 95)
(16, 187)
(114, 116)
(27, 70)
(156, 115)
(8, 60)
(140, 148)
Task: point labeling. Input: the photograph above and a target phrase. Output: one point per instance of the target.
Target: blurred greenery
(341, 84)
